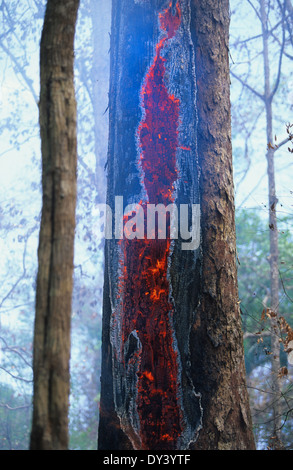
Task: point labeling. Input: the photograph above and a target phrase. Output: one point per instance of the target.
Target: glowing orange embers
(144, 287)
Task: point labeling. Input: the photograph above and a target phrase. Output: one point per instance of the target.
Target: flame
(144, 283)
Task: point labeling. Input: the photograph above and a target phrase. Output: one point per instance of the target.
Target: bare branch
(280, 58)
(14, 350)
(246, 85)
(261, 390)
(30, 232)
(254, 9)
(15, 376)
(21, 70)
(284, 289)
(278, 146)
(3, 35)
(3, 405)
(12, 289)
(252, 191)
(258, 36)
(256, 335)
(86, 167)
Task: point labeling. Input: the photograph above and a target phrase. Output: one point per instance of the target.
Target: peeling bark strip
(153, 395)
(57, 111)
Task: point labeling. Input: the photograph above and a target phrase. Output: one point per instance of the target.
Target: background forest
(261, 53)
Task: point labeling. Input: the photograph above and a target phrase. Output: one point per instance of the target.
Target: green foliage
(254, 281)
(254, 293)
(15, 417)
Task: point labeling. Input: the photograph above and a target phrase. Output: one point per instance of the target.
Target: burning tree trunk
(172, 358)
(54, 281)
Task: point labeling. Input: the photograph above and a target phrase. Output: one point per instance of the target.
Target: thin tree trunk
(56, 242)
(99, 9)
(274, 250)
(142, 406)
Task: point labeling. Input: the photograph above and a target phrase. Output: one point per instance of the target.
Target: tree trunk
(173, 372)
(217, 343)
(56, 243)
(274, 249)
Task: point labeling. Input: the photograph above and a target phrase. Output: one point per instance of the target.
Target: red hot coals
(145, 306)
(158, 134)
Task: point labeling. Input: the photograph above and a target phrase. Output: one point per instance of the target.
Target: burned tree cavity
(151, 390)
